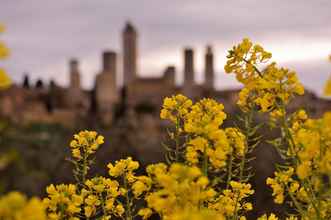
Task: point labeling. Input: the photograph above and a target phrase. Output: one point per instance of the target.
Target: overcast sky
(44, 34)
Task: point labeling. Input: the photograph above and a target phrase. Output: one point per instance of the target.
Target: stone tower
(129, 54)
(75, 94)
(106, 89)
(188, 66)
(74, 74)
(209, 69)
(189, 84)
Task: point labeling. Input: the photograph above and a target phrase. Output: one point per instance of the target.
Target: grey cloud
(43, 35)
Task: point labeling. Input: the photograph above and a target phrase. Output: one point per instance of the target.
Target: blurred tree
(26, 81)
(39, 84)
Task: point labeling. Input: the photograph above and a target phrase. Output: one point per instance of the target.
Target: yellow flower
(175, 108)
(5, 81)
(262, 88)
(237, 140)
(176, 187)
(2, 28)
(85, 143)
(88, 210)
(145, 213)
(278, 190)
(271, 217)
(327, 88)
(142, 185)
(205, 117)
(304, 170)
(233, 200)
(4, 51)
(119, 210)
(123, 166)
(62, 200)
(189, 214)
(16, 206)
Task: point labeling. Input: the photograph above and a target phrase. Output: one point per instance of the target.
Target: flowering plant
(207, 174)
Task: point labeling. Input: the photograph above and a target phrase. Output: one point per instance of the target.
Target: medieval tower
(129, 37)
(105, 88)
(74, 74)
(188, 88)
(209, 69)
(75, 91)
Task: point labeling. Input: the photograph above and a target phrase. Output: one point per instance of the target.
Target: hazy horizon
(43, 36)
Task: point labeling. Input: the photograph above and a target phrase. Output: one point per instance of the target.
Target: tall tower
(129, 54)
(188, 66)
(189, 85)
(105, 89)
(209, 69)
(75, 94)
(74, 74)
(109, 62)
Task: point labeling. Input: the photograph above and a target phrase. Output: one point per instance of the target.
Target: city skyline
(78, 30)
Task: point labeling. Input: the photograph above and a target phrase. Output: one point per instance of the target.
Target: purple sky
(44, 35)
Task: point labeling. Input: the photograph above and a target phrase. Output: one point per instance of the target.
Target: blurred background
(107, 65)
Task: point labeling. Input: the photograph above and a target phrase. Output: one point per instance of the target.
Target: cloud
(44, 35)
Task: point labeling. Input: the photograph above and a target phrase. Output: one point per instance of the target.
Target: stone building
(209, 69)
(106, 90)
(76, 98)
(55, 104)
(130, 54)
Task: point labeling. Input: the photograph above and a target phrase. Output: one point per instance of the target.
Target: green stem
(291, 144)
(295, 201)
(177, 141)
(205, 163)
(247, 129)
(103, 204)
(255, 68)
(312, 198)
(229, 172)
(128, 214)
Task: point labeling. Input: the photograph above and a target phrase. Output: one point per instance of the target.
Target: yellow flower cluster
(5, 81)
(237, 141)
(63, 202)
(4, 51)
(312, 145)
(201, 122)
(264, 89)
(133, 186)
(243, 58)
(15, 206)
(212, 158)
(101, 192)
(274, 217)
(123, 167)
(232, 201)
(304, 179)
(282, 180)
(216, 150)
(85, 143)
(176, 188)
(327, 88)
(175, 108)
(270, 217)
(202, 214)
(99, 196)
(204, 117)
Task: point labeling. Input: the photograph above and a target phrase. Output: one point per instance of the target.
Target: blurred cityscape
(38, 119)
